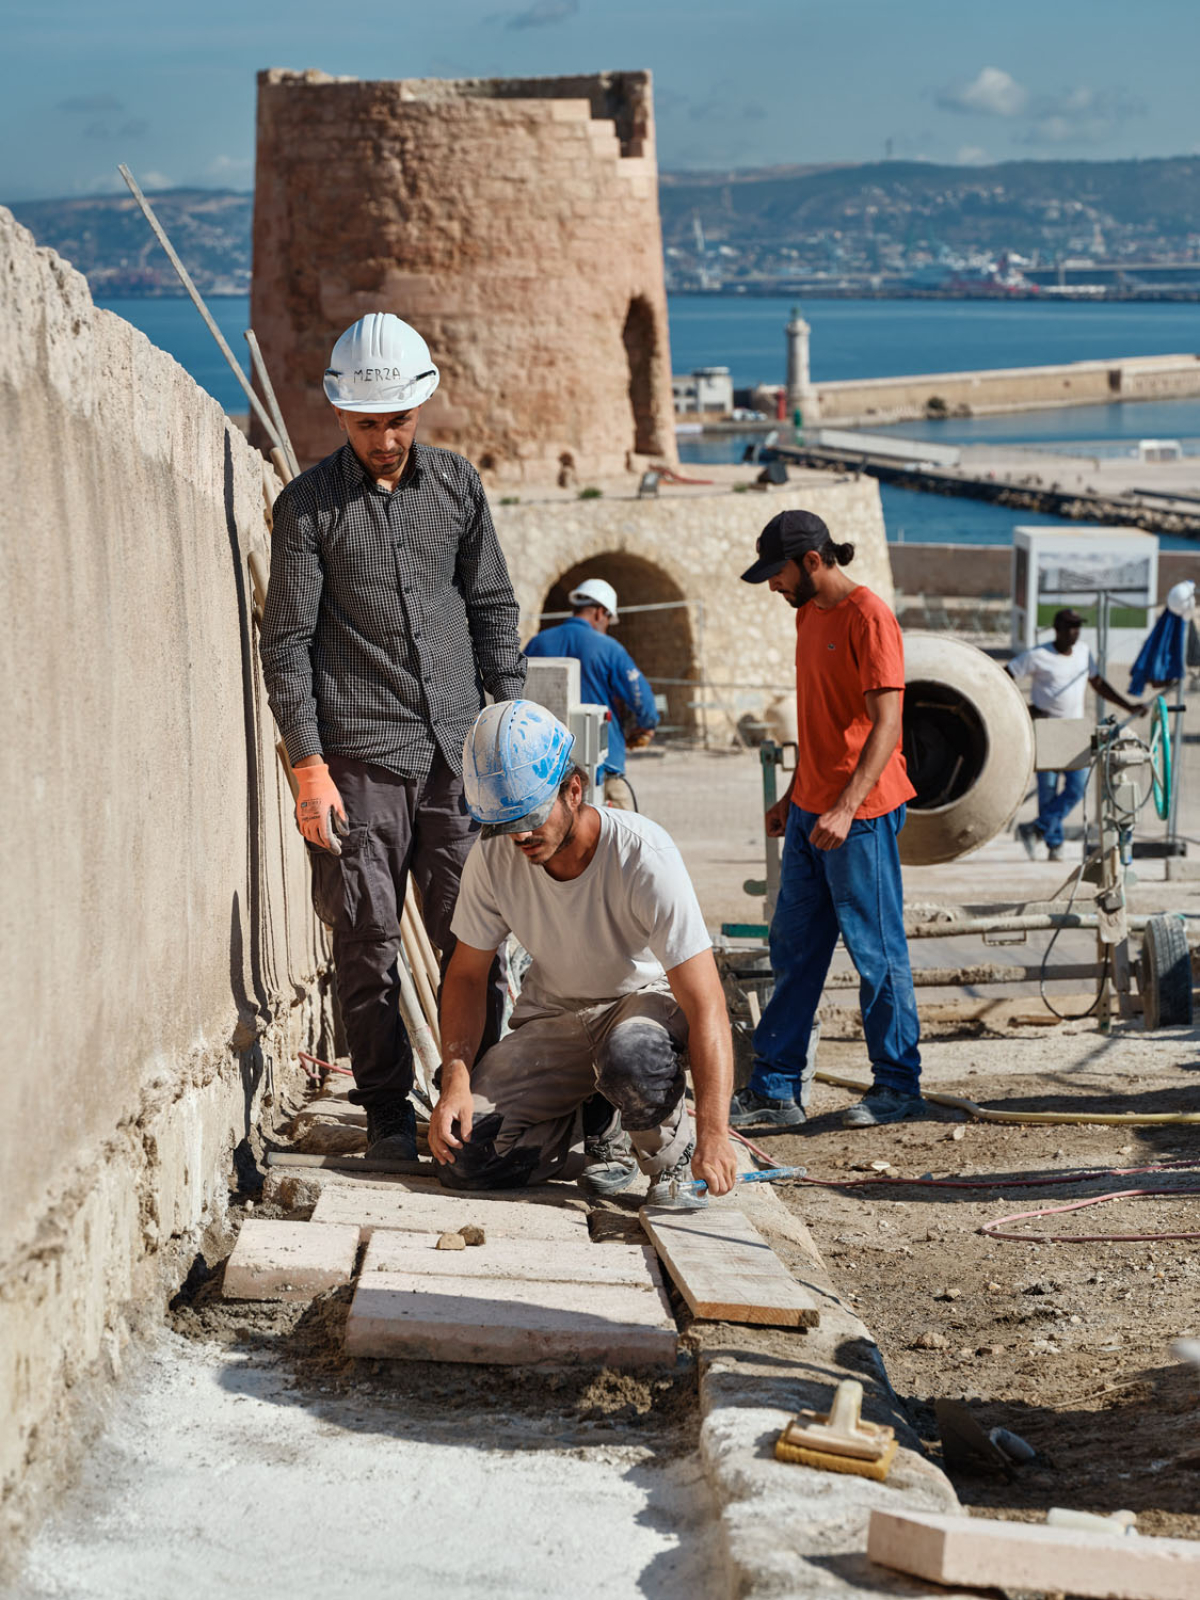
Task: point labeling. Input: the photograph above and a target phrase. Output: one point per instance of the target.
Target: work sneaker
(392, 1131)
(749, 1109)
(668, 1188)
(611, 1166)
(1030, 835)
(881, 1104)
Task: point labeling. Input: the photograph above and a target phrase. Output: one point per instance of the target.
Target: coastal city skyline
(777, 83)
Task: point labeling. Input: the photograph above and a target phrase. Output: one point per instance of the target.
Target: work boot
(667, 1189)
(749, 1109)
(1030, 836)
(392, 1131)
(1054, 852)
(881, 1104)
(611, 1166)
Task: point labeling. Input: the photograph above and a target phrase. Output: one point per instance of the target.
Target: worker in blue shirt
(608, 676)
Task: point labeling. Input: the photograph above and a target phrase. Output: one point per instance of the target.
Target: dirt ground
(1066, 1345)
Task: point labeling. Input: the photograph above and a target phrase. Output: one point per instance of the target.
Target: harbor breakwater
(991, 392)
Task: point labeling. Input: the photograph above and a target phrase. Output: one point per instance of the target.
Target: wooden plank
(979, 1552)
(528, 1260)
(405, 1317)
(398, 1207)
(725, 1269)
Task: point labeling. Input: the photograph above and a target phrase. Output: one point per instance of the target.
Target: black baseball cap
(1068, 617)
(785, 538)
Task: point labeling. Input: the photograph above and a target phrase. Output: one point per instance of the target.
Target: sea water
(851, 339)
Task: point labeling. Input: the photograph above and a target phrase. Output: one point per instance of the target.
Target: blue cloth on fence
(1160, 659)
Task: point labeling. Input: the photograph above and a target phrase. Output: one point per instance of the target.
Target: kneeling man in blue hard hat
(622, 985)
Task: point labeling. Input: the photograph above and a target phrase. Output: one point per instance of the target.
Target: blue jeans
(1055, 804)
(855, 891)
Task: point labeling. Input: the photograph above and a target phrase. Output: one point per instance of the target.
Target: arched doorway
(662, 641)
(641, 351)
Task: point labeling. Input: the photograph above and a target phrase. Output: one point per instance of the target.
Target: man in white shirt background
(622, 993)
(1061, 670)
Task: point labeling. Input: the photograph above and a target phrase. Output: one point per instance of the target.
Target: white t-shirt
(1059, 681)
(630, 916)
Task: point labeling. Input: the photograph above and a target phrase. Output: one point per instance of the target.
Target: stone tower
(514, 222)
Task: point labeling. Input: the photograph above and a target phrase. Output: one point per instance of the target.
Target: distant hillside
(881, 217)
(107, 238)
(1020, 205)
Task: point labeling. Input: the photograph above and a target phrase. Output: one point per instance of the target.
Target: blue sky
(170, 89)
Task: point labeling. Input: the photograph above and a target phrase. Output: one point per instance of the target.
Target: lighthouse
(801, 395)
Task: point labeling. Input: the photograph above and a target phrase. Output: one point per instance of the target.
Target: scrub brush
(841, 1441)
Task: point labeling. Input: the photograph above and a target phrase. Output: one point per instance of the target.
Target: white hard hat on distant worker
(380, 364)
(595, 592)
(1181, 598)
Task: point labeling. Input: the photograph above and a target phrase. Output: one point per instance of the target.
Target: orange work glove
(320, 814)
(639, 739)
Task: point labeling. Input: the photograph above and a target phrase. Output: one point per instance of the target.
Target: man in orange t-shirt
(840, 871)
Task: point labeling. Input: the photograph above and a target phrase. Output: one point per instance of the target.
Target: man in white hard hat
(389, 612)
(608, 676)
(622, 982)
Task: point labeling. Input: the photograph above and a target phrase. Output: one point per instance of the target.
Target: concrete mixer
(971, 749)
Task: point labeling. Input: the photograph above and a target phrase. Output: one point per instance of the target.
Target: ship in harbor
(1001, 276)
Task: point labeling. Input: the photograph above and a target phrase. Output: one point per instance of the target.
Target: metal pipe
(256, 404)
(1030, 922)
(972, 977)
(264, 377)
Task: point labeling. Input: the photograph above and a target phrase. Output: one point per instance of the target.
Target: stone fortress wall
(160, 962)
(732, 643)
(513, 222)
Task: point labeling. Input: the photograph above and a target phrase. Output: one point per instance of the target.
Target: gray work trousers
(397, 825)
(562, 1075)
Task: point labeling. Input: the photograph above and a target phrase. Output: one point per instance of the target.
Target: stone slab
(289, 1260)
(634, 1266)
(399, 1207)
(983, 1553)
(406, 1317)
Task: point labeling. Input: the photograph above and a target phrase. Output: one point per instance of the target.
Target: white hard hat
(595, 592)
(380, 364)
(1181, 598)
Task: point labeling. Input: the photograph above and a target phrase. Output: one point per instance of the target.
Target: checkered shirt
(388, 613)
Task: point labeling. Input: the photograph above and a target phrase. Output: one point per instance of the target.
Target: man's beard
(803, 592)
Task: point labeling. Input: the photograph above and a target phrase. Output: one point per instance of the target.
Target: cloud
(91, 105)
(972, 155)
(1079, 116)
(992, 93)
(544, 14)
(156, 180)
(229, 169)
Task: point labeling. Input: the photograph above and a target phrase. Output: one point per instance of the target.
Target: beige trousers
(617, 793)
(535, 1091)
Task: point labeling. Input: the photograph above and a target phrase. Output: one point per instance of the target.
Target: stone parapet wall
(686, 552)
(160, 961)
(513, 222)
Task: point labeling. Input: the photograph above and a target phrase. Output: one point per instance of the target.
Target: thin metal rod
(185, 278)
(264, 377)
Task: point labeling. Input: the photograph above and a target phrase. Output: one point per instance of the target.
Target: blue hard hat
(514, 759)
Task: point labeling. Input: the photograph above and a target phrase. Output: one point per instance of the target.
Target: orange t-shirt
(842, 653)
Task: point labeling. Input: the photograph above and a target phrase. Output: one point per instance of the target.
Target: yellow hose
(958, 1102)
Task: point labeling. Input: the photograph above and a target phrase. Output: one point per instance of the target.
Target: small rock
(992, 1350)
(1042, 1286)
(452, 1241)
(472, 1234)
(948, 1294)
(995, 1288)
(881, 1166)
(1125, 1150)
(957, 1133)
(930, 1340)
(966, 1353)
